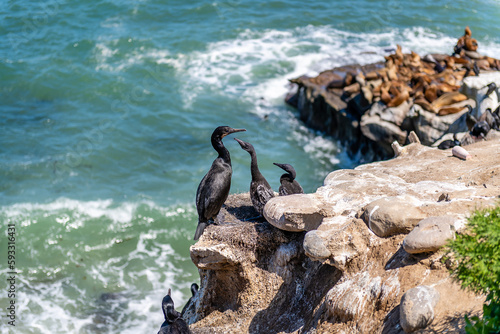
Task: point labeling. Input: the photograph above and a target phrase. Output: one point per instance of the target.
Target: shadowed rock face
(254, 277)
(342, 273)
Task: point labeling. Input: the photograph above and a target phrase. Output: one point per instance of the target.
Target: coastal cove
(107, 115)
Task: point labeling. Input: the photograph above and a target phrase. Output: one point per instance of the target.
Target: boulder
(392, 215)
(395, 115)
(381, 131)
(429, 127)
(416, 310)
(294, 213)
(314, 246)
(474, 88)
(429, 235)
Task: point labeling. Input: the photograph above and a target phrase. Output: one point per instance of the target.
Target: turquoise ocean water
(106, 113)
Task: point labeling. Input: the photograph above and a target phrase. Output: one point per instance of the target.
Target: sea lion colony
(431, 82)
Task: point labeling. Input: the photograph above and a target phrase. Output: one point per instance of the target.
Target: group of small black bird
(214, 187)
(477, 128)
(211, 195)
(174, 323)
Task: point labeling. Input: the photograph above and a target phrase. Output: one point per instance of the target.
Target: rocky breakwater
(369, 107)
(360, 255)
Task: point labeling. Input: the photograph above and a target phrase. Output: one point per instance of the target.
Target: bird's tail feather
(199, 230)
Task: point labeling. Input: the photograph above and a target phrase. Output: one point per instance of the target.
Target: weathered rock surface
(367, 126)
(392, 215)
(429, 235)
(299, 212)
(417, 308)
(337, 275)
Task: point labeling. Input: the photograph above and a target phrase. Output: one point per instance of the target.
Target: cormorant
(491, 87)
(470, 120)
(480, 129)
(214, 187)
(194, 291)
(289, 185)
(260, 190)
(491, 118)
(475, 68)
(173, 324)
(446, 144)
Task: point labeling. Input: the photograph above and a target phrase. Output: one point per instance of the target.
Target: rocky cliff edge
(341, 259)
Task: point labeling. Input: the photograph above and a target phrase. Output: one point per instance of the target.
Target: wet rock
(417, 308)
(392, 215)
(295, 213)
(429, 235)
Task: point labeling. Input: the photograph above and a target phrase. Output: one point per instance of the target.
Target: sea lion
(471, 44)
(384, 94)
(425, 104)
(431, 93)
(399, 99)
(467, 31)
(448, 98)
(352, 89)
(449, 110)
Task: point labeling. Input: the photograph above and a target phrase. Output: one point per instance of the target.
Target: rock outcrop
(369, 107)
(335, 261)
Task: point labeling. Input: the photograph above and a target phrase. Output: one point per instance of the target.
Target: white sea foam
(258, 64)
(137, 278)
(121, 213)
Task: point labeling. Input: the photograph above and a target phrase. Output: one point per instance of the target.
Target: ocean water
(107, 108)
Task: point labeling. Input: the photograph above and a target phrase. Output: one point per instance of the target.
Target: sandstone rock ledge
(343, 268)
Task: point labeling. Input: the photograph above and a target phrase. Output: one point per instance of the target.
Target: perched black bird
(470, 120)
(260, 190)
(496, 116)
(491, 87)
(491, 118)
(214, 187)
(446, 144)
(289, 185)
(194, 291)
(475, 68)
(173, 324)
(480, 129)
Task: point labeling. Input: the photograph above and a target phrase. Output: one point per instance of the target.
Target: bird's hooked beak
(232, 131)
(279, 165)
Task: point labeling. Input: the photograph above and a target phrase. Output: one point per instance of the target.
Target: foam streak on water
(112, 283)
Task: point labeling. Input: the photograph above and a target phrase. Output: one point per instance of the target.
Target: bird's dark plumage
(288, 185)
(260, 190)
(173, 324)
(194, 291)
(475, 68)
(214, 187)
(491, 87)
(446, 144)
(491, 118)
(470, 120)
(480, 129)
